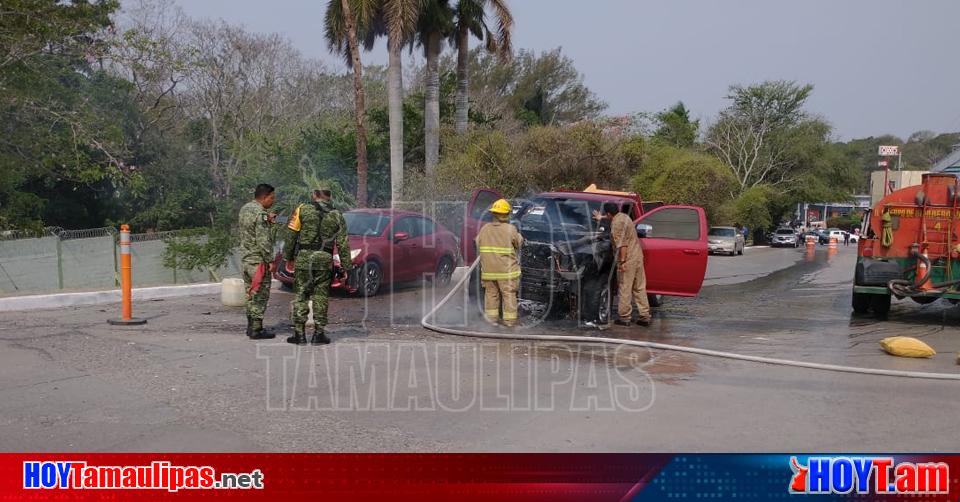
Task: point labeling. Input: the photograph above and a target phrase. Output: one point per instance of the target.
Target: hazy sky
(878, 66)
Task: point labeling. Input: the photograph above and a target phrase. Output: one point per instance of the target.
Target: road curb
(59, 300)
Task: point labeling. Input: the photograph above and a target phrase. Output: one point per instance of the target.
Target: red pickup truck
(567, 256)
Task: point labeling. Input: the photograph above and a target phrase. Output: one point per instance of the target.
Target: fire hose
(427, 322)
(903, 288)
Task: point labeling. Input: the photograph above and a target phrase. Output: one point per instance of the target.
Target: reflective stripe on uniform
(294, 223)
(509, 316)
(499, 276)
(496, 250)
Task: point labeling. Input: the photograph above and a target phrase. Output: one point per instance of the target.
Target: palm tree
(436, 23)
(398, 21)
(471, 19)
(341, 26)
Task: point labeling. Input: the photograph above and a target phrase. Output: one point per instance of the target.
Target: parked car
(836, 233)
(390, 246)
(812, 233)
(725, 240)
(844, 233)
(784, 237)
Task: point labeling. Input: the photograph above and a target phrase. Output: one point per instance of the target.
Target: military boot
(256, 332)
(319, 337)
(249, 326)
(298, 338)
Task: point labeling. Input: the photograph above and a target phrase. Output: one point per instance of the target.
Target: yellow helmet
(501, 207)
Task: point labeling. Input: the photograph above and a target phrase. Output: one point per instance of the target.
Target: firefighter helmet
(500, 207)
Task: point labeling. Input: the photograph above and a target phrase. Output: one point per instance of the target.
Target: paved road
(190, 381)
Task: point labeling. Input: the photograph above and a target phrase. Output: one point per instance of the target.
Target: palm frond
(504, 26)
(400, 17)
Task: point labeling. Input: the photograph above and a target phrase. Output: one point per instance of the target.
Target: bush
(535, 160)
(752, 208)
(682, 176)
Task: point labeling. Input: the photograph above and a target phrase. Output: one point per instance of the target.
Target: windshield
(722, 232)
(365, 224)
(784, 231)
(558, 215)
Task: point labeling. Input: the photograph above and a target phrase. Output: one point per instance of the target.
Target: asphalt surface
(190, 381)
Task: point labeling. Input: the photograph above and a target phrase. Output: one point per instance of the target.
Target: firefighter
(631, 278)
(499, 245)
(256, 257)
(315, 229)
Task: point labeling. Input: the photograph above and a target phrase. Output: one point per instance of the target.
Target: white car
(839, 234)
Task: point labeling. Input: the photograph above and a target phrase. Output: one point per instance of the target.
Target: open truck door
(475, 216)
(674, 242)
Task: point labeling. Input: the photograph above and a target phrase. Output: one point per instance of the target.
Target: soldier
(499, 244)
(256, 248)
(628, 256)
(314, 230)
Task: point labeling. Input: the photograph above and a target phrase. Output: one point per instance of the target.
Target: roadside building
(816, 214)
(896, 180)
(950, 163)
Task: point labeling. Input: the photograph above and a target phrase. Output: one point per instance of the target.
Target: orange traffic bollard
(833, 243)
(923, 272)
(126, 282)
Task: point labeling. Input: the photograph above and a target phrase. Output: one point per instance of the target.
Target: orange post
(126, 282)
(923, 271)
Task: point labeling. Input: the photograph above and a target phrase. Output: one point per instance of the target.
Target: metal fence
(57, 259)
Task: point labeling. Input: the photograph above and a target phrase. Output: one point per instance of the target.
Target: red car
(390, 246)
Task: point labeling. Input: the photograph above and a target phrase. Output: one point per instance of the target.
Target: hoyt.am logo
(875, 475)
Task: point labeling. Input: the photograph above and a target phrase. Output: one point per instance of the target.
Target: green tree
(753, 135)
(436, 24)
(471, 19)
(682, 176)
(342, 22)
(752, 209)
(675, 128)
(57, 128)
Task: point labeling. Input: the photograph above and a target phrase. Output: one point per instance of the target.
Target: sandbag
(904, 346)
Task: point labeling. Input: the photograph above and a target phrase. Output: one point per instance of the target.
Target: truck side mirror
(644, 230)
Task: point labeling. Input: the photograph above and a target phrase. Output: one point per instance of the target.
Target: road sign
(889, 151)
(882, 163)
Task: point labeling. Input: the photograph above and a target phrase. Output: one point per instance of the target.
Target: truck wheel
(654, 300)
(595, 300)
(880, 304)
(861, 302)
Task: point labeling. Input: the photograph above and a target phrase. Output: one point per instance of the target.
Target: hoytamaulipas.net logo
(868, 475)
(159, 475)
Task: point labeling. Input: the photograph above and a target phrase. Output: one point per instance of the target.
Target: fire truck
(911, 241)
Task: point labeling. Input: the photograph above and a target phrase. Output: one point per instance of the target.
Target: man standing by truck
(628, 258)
(498, 244)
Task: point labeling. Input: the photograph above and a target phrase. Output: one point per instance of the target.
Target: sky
(877, 66)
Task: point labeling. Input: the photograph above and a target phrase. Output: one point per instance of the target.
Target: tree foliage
(675, 128)
(684, 176)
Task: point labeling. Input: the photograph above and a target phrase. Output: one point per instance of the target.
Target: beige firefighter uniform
(499, 245)
(632, 279)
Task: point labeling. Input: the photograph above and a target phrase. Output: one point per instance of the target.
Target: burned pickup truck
(567, 257)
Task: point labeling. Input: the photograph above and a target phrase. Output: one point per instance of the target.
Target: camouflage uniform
(313, 241)
(256, 247)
